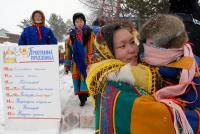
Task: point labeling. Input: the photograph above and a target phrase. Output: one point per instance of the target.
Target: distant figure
(37, 34)
(97, 24)
(189, 11)
(61, 55)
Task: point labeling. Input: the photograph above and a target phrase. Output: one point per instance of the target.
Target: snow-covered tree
(69, 25)
(58, 26)
(24, 23)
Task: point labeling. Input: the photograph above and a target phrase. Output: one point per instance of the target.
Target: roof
(3, 33)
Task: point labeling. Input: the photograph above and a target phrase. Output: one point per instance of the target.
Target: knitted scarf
(166, 94)
(161, 56)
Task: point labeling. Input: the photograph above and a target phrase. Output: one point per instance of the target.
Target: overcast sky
(13, 11)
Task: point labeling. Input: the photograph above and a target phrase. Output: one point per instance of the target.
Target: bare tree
(25, 23)
(108, 8)
(143, 9)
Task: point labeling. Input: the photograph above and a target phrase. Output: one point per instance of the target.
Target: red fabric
(38, 26)
(79, 35)
(99, 36)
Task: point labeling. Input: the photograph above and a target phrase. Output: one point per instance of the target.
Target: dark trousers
(83, 97)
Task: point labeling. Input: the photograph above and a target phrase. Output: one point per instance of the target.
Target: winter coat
(30, 36)
(122, 107)
(77, 54)
(190, 100)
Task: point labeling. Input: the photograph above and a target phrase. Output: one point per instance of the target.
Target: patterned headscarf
(103, 63)
(101, 50)
(103, 60)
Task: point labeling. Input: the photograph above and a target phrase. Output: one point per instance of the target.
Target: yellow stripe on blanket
(151, 117)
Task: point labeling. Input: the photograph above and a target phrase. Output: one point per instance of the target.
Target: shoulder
(87, 27)
(72, 31)
(46, 28)
(98, 72)
(28, 28)
(124, 74)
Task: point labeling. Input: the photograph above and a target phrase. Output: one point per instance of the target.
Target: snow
(8, 44)
(80, 131)
(3, 33)
(4, 36)
(66, 87)
(66, 90)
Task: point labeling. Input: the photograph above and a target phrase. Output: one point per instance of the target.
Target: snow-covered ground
(66, 90)
(80, 131)
(8, 44)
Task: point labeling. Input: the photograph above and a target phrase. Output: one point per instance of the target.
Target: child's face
(79, 23)
(125, 47)
(37, 17)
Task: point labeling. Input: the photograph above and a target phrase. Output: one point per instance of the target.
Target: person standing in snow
(97, 24)
(79, 49)
(37, 34)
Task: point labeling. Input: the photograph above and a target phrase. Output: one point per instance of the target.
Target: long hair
(86, 34)
(107, 34)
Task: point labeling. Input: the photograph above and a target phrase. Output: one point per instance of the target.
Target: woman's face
(79, 23)
(37, 18)
(125, 46)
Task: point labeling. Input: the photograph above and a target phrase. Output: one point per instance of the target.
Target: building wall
(2, 40)
(10, 38)
(13, 38)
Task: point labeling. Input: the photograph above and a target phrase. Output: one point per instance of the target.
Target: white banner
(30, 86)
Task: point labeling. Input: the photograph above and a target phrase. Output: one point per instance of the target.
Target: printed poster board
(30, 86)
